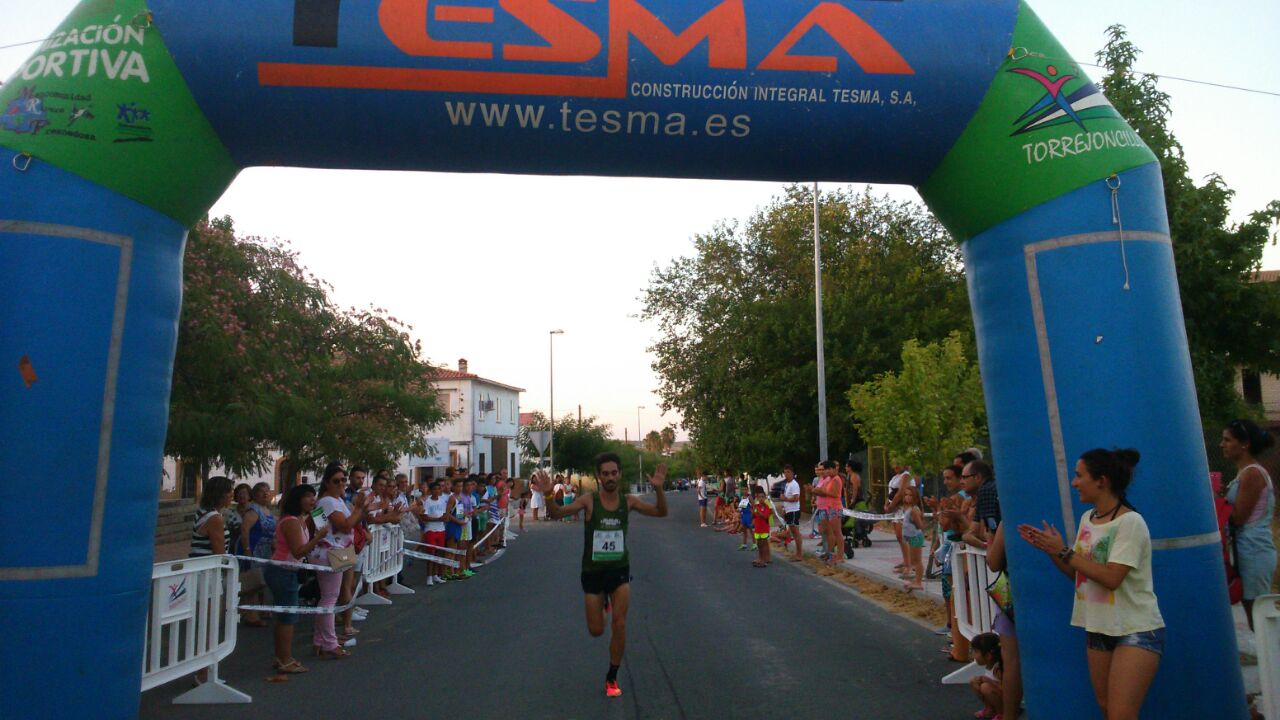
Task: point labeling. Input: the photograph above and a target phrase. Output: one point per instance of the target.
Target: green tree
(653, 442)
(370, 401)
(735, 345)
(577, 441)
(1230, 319)
(929, 409)
(668, 438)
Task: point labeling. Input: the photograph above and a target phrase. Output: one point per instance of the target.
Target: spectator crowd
(454, 520)
(1108, 562)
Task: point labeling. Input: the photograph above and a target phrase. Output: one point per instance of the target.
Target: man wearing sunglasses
(606, 567)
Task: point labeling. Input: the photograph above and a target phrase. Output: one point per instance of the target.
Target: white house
(484, 423)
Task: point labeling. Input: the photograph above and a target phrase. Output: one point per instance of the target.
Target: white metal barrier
(975, 610)
(191, 626)
(383, 559)
(1266, 625)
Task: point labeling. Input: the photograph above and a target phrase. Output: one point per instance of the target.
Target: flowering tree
(265, 361)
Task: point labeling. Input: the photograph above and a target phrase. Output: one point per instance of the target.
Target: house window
(444, 399)
(1251, 386)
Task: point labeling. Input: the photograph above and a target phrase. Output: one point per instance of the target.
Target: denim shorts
(821, 515)
(284, 591)
(1151, 640)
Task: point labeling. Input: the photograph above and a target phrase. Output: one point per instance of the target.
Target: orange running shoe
(611, 689)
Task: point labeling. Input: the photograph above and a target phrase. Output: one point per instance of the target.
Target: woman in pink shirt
(294, 542)
(829, 514)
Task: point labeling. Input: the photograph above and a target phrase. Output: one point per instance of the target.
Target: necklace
(1109, 515)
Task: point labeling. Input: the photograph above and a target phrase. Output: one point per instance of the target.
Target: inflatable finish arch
(133, 118)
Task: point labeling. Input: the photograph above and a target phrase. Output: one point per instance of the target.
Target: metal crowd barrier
(383, 558)
(975, 610)
(193, 615)
(1266, 625)
(191, 626)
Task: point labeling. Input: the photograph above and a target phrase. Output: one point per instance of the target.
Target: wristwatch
(1065, 554)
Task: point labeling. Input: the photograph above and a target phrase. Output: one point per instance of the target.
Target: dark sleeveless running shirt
(605, 537)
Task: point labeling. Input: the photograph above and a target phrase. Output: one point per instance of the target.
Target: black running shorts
(604, 582)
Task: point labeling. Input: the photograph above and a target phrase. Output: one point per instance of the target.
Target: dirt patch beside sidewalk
(892, 599)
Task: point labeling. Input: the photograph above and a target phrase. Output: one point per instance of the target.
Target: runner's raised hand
(543, 482)
(659, 477)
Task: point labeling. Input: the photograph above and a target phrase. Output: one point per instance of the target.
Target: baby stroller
(857, 533)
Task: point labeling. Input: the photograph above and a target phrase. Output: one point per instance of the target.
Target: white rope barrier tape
(491, 531)
(433, 558)
(307, 609)
(451, 551)
(286, 564)
(859, 515)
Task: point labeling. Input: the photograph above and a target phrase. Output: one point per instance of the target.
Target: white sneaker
(431, 581)
(440, 580)
(359, 614)
(704, 524)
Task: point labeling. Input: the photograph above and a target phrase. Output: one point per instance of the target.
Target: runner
(606, 569)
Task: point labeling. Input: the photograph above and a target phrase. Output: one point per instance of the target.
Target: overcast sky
(483, 265)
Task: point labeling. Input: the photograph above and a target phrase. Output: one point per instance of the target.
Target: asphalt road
(709, 636)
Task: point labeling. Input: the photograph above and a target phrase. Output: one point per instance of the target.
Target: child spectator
(761, 513)
(986, 652)
(913, 534)
(745, 514)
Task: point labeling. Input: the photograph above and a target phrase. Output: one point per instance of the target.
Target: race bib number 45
(607, 545)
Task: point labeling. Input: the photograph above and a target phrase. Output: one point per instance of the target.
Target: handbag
(360, 537)
(1235, 584)
(1001, 592)
(341, 559)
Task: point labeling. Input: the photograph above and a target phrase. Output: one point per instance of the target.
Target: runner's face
(609, 475)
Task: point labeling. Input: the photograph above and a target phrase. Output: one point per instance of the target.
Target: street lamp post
(822, 364)
(641, 439)
(551, 340)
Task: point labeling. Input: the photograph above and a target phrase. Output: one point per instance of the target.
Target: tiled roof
(526, 418)
(447, 374)
(1267, 276)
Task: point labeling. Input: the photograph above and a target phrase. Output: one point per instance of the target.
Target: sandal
(293, 667)
(335, 654)
(758, 564)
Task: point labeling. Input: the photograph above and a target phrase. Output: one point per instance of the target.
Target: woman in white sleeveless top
(1254, 498)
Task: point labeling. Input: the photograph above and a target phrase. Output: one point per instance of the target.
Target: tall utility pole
(822, 360)
(552, 342)
(640, 439)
